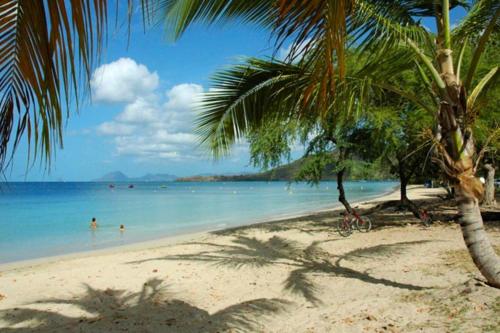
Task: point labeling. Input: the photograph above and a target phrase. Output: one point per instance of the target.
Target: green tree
(320, 28)
(398, 136)
(328, 149)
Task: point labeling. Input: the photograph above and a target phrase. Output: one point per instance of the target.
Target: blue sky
(140, 117)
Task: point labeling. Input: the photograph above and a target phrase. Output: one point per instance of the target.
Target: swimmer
(93, 224)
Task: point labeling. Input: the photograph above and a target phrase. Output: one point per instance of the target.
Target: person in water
(122, 227)
(93, 224)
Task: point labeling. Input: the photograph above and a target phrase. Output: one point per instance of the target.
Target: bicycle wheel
(363, 224)
(344, 228)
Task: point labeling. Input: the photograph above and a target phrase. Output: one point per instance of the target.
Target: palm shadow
(304, 260)
(152, 309)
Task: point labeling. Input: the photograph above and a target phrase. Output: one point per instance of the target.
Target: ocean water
(46, 219)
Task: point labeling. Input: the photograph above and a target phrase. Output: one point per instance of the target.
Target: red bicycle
(425, 218)
(347, 224)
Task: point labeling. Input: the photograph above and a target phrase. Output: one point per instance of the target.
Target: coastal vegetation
(364, 82)
(322, 34)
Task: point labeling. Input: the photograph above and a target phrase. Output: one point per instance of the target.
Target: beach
(291, 275)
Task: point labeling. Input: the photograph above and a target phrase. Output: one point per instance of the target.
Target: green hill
(289, 172)
(285, 173)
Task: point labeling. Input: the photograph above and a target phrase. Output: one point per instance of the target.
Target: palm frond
(479, 16)
(242, 95)
(480, 88)
(378, 25)
(178, 15)
(263, 93)
(482, 21)
(318, 28)
(47, 49)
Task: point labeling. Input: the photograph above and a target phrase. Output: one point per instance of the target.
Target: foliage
(487, 122)
(48, 48)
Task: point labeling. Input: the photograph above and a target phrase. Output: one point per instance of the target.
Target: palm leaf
(378, 25)
(178, 15)
(259, 93)
(242, 95)
(480, 88)
(46, 49)
(479, 16)
(318, 28)
(482, 20)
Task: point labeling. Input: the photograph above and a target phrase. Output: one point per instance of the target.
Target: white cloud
(183, 96)
(153, 145)
(155, 128)
(122, 81)
(141, 110)
(114, 128)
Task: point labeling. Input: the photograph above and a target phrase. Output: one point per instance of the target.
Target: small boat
(131, 186)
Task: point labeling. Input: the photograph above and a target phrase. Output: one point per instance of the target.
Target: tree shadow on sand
(383, 214)
(304, 260)
(150, 310)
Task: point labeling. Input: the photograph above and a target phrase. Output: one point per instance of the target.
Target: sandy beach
(292, 275)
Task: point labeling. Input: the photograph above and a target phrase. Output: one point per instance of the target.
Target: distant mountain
(290, 172)
(118, 176)
(158, 177)
(115, 176)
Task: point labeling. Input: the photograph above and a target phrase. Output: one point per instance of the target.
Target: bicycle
(425, 218)
(346, 225)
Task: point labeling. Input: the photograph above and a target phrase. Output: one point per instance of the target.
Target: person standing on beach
(93, 224)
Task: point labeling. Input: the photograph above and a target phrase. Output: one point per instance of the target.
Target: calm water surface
(44, 219)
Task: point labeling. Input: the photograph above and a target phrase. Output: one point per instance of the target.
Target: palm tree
(320, 30)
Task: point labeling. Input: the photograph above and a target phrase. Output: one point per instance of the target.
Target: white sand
(295, 275)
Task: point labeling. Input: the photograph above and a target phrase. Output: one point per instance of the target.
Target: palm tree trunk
(489, 193)
(403, 183)
(477, 241)
(340, 187)
(456, 151)
(456, 161)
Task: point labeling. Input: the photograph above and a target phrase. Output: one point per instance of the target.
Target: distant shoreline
(188, 180)
(253, 178)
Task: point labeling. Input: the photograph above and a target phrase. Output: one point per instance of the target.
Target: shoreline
(184, 237)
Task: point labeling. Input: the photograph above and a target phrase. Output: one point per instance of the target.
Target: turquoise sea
(46, 219)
